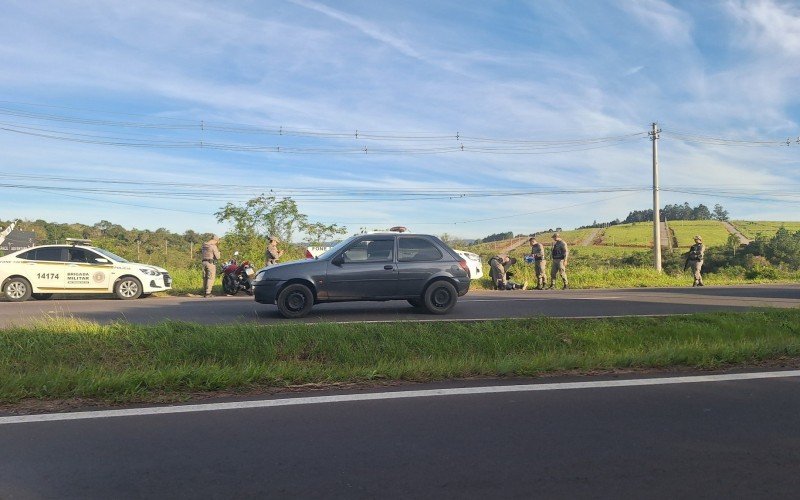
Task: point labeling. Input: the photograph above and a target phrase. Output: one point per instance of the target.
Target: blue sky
(417, 74)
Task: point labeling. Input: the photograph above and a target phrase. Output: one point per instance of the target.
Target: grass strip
(122, 362)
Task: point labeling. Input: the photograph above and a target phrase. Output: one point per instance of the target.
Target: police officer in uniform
(559, 254)
(539, 263)
(498, 270)
(272, 254)
(695, 260)
(210, 254)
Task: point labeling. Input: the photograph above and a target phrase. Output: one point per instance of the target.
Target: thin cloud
(369, 29)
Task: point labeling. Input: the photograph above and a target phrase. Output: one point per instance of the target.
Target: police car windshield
(335, 249)
(110, 255)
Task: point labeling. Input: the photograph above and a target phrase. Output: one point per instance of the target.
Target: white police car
(76, 267)
(473, 262)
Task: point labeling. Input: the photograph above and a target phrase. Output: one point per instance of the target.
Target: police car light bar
(78, 241)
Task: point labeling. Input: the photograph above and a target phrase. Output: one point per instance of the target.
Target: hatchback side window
(417, 250)
(49, 253)
(370, 251)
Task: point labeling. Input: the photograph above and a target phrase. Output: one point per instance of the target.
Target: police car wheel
(440, 297)
(415, 302)
(18, 290)
(295, 301)
(41, 296)
(128, 288)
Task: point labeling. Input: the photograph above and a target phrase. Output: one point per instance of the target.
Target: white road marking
(462, 391)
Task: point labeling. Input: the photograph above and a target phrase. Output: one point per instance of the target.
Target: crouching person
(498, 270)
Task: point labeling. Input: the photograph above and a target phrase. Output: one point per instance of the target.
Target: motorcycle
(237, 277)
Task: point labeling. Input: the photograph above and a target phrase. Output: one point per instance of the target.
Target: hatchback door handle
(388, 267)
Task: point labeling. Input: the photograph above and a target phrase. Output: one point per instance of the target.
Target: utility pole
(656, 219)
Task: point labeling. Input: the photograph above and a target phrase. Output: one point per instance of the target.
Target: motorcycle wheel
(229, 285)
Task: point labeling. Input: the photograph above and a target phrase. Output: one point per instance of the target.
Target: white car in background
(473, 262)
(77, 267)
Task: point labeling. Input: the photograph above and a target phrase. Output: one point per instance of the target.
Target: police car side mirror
(101, 260)
(338, 260)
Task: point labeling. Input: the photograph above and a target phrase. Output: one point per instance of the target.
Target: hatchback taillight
(465, 267)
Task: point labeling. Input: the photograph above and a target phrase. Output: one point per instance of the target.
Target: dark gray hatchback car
(381, 266)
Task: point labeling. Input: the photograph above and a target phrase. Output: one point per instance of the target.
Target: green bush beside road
(170, 361)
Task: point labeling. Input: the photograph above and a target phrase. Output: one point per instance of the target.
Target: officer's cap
(698, 238)
(556, 235)
(274, 238)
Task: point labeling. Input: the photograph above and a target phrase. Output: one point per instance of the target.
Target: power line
(719, 141)
(84, 138)
(278, 130)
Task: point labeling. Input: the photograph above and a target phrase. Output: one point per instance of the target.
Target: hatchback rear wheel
(440, 297)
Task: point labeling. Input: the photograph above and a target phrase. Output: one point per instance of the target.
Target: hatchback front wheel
(295, 301)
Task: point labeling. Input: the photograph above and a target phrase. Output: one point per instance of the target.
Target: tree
(320, 233)
(733, 243)
(784, 248)
(701, 212)
(263, 216)
(720, 213)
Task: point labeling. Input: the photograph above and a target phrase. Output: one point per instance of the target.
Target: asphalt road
(476, 305)
(723, 439)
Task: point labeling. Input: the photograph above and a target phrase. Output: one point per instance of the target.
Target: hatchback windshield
(335, 249)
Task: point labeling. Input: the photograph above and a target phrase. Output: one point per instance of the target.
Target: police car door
(44, 268)
(87, 271)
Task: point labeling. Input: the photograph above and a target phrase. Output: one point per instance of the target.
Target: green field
(713, 232)
(573, 237)
(637, 234)
(751, 229)
(83, 361)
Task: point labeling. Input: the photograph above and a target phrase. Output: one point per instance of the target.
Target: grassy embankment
(751, 229)
(713, 232)
(124, 363)
(622, 258)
